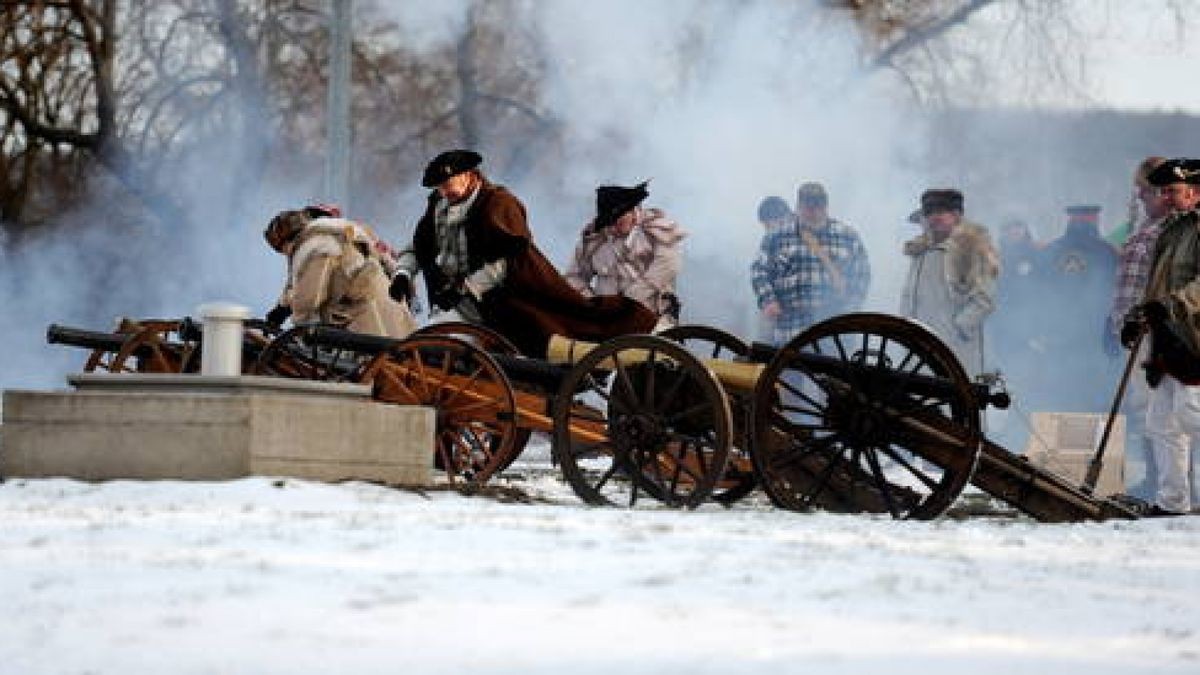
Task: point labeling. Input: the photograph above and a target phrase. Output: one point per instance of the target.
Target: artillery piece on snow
(860, 413)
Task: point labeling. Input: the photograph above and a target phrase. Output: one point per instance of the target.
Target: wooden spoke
(650, 437)
(902, 391)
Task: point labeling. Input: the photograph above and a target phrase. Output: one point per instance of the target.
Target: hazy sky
(1139, 58)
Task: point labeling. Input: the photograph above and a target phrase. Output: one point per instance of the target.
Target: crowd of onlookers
(1054, 316)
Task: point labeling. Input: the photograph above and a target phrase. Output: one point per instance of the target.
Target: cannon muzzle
(87, 339)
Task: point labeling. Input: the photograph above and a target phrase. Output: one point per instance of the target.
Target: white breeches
(1173, 425)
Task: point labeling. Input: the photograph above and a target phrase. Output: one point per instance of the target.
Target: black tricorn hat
(613, 201)
(1179, 170)
(946, 199)
(448, 164)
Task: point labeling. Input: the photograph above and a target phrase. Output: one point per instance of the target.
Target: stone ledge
(184, 435)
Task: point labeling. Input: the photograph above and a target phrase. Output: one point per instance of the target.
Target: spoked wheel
(491, 342)
(706, 342)
(639, 415)
(293, 353)
(481, 336)
(153, 346)
(865, 413)
(474, 401)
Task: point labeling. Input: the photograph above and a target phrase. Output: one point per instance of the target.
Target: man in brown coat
(474, 247)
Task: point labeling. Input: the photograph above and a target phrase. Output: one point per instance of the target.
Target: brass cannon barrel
(734, 375)
(743, 376)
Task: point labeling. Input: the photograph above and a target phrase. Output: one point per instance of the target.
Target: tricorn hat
(944, 199)
(449, 164)
(1179, 170)
(613, 201)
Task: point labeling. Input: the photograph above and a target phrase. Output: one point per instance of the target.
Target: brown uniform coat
(534, 301)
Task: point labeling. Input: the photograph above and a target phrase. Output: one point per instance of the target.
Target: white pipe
(222, 347)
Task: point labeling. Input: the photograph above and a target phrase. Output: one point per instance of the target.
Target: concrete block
(1065, 443)
(218, 430)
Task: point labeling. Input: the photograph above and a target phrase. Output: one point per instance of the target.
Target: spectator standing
(1133, 271)
(809, 270)
(951, 282)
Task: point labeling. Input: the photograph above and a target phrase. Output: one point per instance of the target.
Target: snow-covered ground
(284, 576)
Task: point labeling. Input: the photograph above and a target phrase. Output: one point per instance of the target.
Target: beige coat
(951, 287)
(336, 276)
(642, 265)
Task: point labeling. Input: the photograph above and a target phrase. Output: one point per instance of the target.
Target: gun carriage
(860, 413)
(153, 345)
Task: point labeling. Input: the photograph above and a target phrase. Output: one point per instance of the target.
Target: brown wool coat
(534, 302)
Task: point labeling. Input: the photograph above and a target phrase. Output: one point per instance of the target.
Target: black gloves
(1130, 330)
(401, 289)
(1154, 311)
(669, 305)
(278, 315)
(1141, 318)
(447, 298)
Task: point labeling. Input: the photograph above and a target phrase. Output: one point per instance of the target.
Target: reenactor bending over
(474, 248)
(337, 275)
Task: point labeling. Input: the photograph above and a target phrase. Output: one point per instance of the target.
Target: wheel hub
(636, 431)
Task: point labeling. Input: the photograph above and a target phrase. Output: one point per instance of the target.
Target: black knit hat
(945, 199)
(772, 208)
(449, 164)
(1179, 170)
(613, 201)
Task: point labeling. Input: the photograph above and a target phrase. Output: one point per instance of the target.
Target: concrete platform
(194, 427)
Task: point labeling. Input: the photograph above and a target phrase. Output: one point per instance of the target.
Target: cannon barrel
(744, 376)
(362, 343)
(88, 339)
(520, 369)
(828, 365)
(735, 375)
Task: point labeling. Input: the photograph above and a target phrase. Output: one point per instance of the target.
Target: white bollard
(222, 348)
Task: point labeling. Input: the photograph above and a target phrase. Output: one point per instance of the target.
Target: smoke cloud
(719, 103)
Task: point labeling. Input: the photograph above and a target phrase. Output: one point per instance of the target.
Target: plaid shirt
(789, 273)
(1133, 272)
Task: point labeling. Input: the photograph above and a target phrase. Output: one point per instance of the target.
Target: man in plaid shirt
(1133, 272)
(809, 270)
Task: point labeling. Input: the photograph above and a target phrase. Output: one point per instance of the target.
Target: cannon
(619, 432)
(154, 345)
(869, 412)
(860, 413)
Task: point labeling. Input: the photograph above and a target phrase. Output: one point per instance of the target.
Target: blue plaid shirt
(788, 272)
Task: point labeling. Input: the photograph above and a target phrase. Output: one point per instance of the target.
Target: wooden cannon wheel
(146, 349)
(489, 341)
(481, 336)
(712, 343)
(294, 354)
(865, 413)
(640, 415)
(476, 410)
